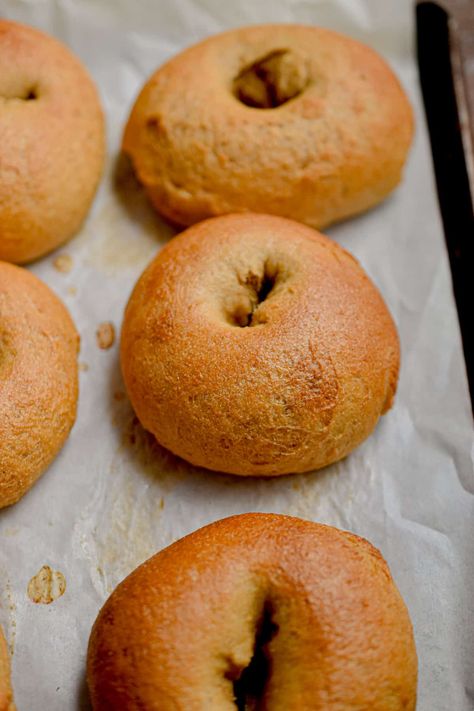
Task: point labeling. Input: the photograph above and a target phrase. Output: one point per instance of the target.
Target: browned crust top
(183, 625)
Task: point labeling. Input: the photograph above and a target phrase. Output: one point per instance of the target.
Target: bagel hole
(249, 683)
(272, 80)
(259, 289)
(152, 124)
(30, 94)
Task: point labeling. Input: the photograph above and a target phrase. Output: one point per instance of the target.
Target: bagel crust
(38, 379)
(315, 605)
(52, 143)
(289, 120)
(6, 694)
(254, 345)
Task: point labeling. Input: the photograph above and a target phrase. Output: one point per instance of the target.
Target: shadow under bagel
(168, 474)
(149, 490)
(132, 196)
(160, 465)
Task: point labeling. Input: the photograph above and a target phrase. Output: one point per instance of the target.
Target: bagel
(38, 379)
(256, 611)
(254, 345)
(52, 143)
(289, 120)
(6, 695)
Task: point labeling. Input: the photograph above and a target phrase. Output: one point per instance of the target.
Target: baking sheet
(112, 497)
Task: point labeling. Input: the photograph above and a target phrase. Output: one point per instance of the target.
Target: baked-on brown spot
(266, 341)
(105, 335)
(46, 586)
(257, 611)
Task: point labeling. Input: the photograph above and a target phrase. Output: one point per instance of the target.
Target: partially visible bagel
(254, 345)
(257, 611)
(6, 694)
(52, 143)
(283, 119)
(38, 379)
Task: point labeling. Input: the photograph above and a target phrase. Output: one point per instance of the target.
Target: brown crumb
(46, 586)
(83, 366)
(72, 291)
(105, 335)
(63, 263)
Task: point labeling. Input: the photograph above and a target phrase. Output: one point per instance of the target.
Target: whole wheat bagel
(51, 143)
(254, 345)
(6, 694)
(38, 379)
(283, 119)
(256, 611)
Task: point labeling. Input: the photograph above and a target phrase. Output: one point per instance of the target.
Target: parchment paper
(112, 498)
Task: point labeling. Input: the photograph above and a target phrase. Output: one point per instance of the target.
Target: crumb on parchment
(63, 263)
(105, 335)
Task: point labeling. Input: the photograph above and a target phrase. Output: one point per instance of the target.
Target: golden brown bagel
(51, 143)
(254, 345)
(315, 607)
(6, 694)
(328, 140)
(38, 379)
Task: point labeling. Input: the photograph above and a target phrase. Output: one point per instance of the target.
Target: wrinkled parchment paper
(112, 498)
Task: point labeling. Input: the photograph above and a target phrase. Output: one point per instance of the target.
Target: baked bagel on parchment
(257, 611)
(254, 345)
(38, 379)
(289, 120)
